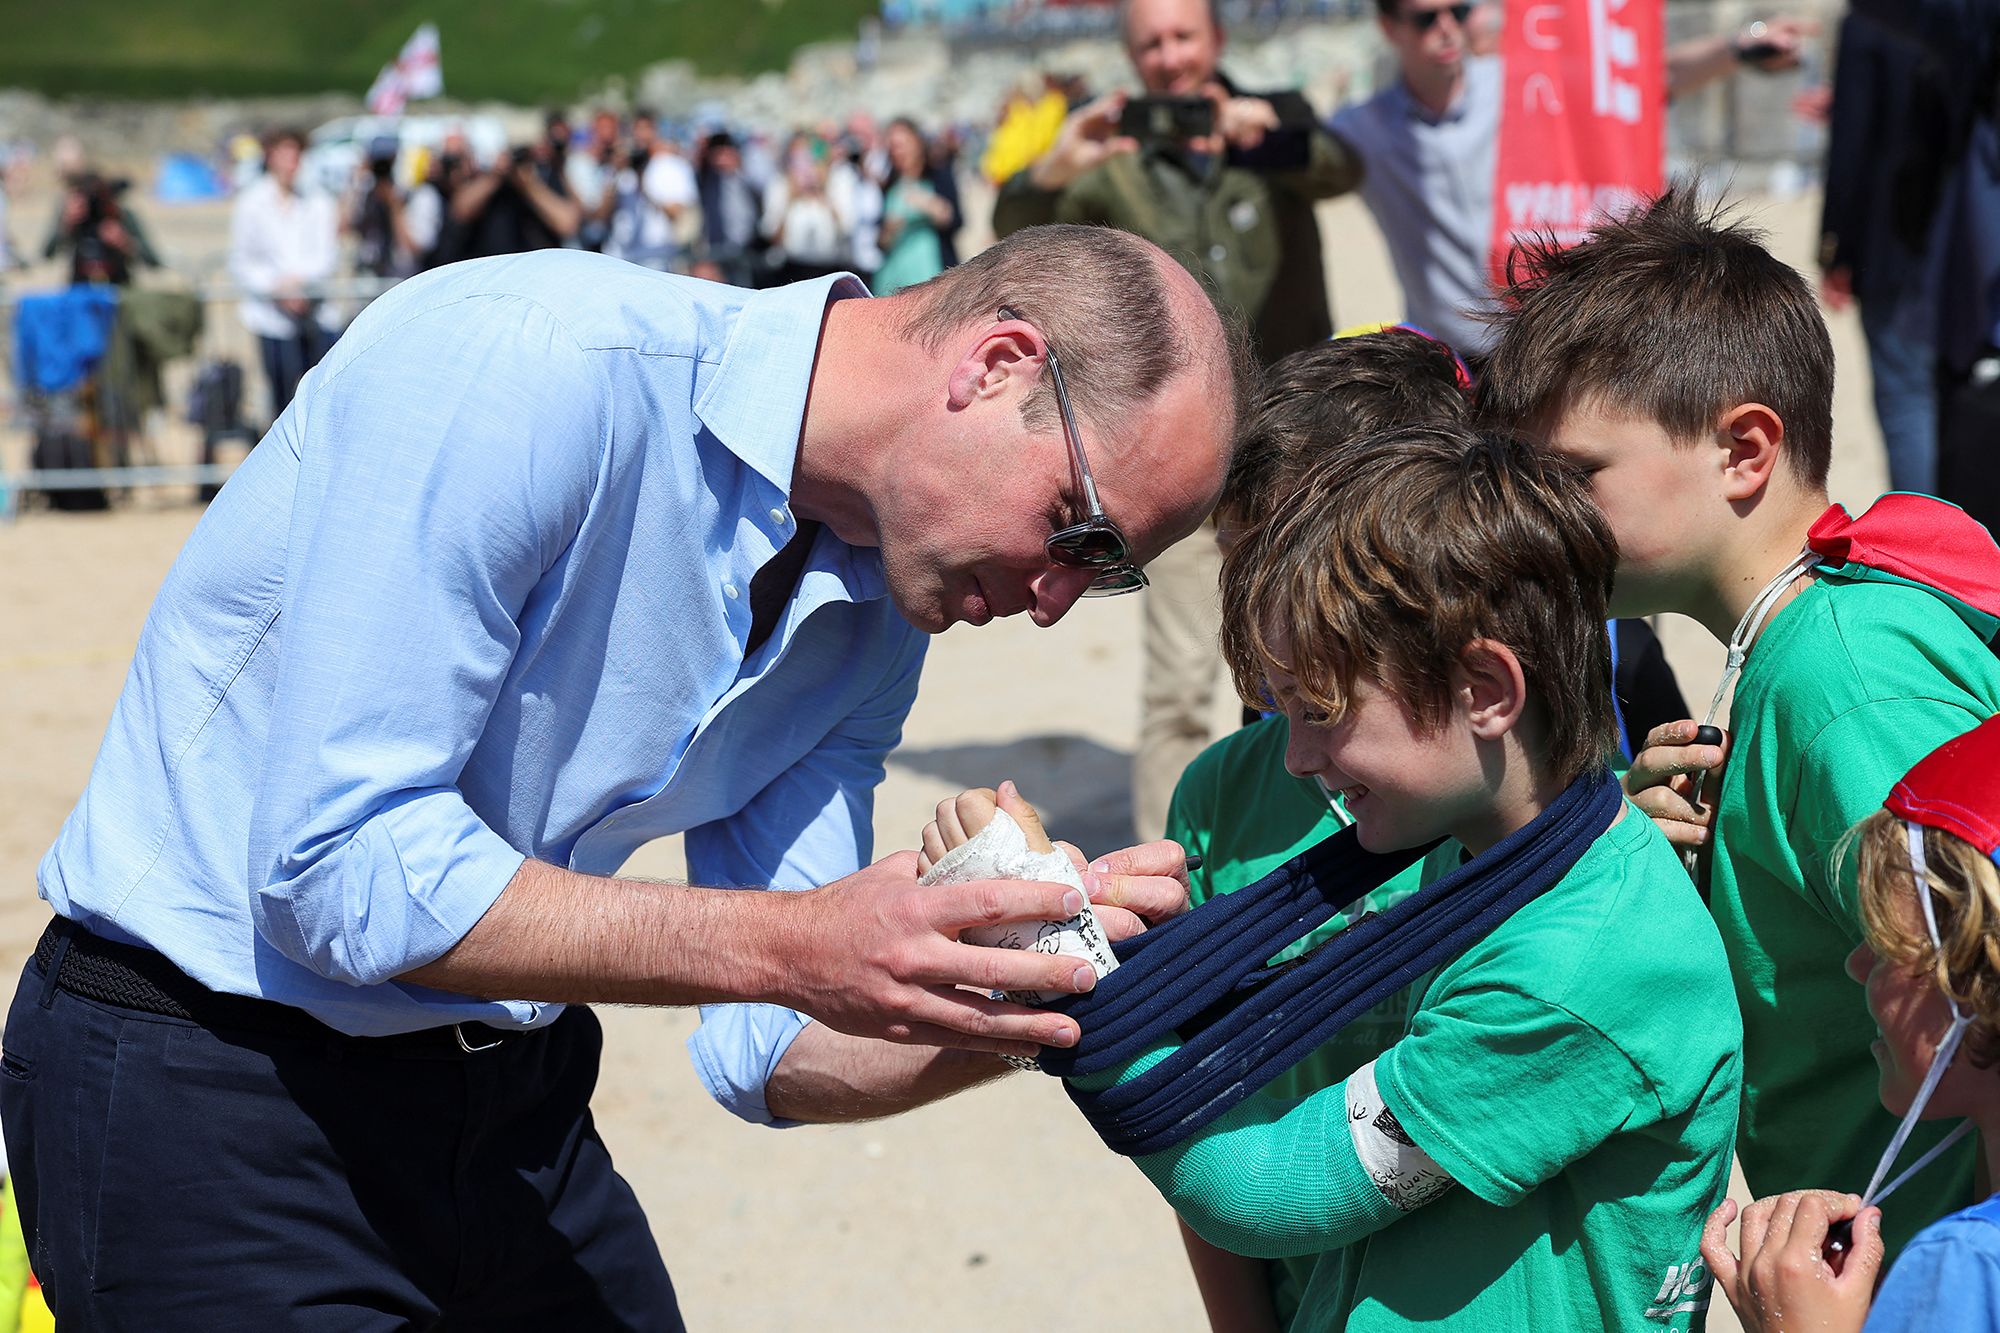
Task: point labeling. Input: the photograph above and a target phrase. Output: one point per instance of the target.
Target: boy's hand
(1783, 1280)
(1662, 777)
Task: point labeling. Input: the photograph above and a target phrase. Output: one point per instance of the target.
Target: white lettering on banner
(1540, 88)
(1614, 49)
(1539, 27)
(1564, 205)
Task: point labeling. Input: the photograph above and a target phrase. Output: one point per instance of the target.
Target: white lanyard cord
(1940, 1062)
(1745, 634)
(1754, 616)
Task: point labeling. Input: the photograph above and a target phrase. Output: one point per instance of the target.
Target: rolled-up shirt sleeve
(813, 824)
(429, 515)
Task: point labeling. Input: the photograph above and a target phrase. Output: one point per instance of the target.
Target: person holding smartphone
(1230, 195)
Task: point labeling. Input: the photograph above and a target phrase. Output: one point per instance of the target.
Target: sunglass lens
(1115, 581)
(1088, 545)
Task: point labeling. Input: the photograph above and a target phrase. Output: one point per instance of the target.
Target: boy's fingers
(1664, 803)
(1806, 1234)
(1756, 1221)
(1864, 1257)
(934, 848)
(1783, 1215)
(1715, 1251)
(1118, 923)
(1657, 764)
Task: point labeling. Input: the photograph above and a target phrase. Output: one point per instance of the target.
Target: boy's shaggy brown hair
(1391, 556)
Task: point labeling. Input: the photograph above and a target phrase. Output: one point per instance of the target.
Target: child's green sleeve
(1271, 1178)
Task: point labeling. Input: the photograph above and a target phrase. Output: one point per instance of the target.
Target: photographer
(101, 236)
(282, 250)
(389, 241)
(1232, 200)
(520, 203)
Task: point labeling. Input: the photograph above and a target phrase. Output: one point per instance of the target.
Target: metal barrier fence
(222, 337)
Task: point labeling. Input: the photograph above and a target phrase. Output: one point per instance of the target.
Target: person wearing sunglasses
(1930, 906)
(1427, 142)
(555, 556)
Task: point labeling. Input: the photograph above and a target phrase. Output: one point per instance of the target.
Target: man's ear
(1493, 688)
(1003, 352)
(1751, 436)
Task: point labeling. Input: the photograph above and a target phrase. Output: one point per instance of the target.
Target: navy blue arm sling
(1204, 974)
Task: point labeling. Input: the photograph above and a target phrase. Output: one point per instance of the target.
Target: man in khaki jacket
(1236, 209)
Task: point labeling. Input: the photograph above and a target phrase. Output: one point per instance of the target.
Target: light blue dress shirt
(482, 593)
(1429, 182)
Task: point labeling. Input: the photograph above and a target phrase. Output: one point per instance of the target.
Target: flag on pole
(1583, 123)
(415, 73)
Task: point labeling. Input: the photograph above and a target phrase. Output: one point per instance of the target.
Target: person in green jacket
(1689, 371)
(1235, 208)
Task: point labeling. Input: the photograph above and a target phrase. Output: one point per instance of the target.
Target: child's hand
(963, 817)
(1783, 1281)
(1662, 778)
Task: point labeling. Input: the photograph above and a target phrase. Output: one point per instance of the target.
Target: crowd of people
(1469, 964)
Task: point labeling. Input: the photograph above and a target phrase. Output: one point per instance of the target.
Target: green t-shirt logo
(1685, 1291)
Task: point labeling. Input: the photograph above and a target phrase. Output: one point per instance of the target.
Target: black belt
(132, 977)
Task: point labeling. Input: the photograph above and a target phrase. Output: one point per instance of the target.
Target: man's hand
(1784, 1280)
(1661, 782)
(1771, 46)
(1088, 138)
(1836, 288)
(878, 955)
(1240, 122)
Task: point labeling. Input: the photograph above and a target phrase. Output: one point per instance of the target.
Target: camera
(1162, 121)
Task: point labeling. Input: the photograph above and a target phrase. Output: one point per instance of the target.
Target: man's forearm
(559, 936)
(828, 1077)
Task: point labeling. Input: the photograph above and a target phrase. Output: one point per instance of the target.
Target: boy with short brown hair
(1541, 1144)
(1688, 371)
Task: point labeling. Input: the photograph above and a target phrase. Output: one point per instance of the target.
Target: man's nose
(1055, 590)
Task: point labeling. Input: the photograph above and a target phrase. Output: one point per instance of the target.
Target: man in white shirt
(282, 251)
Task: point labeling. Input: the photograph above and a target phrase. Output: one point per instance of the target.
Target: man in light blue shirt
(552, 557)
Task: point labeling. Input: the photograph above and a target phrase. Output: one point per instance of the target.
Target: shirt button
(778, 517)
(1217, 253)
(729, 591)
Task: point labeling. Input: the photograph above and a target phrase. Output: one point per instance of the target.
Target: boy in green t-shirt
(1690, 373)
(1540, 1147)
(1235, 806)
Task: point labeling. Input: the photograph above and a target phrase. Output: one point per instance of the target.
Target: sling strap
(1204, 974)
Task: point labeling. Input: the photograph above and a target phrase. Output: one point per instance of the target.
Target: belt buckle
(458, 1034)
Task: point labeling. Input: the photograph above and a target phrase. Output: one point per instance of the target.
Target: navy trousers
(174, 1176)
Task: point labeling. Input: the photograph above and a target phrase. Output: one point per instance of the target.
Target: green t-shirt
(1848, 686)
(1244, 815)
(1577, 1073)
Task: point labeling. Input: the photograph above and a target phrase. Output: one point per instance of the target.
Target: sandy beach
(996, 1210)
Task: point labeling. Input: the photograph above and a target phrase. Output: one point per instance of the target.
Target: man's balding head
(1156, 376)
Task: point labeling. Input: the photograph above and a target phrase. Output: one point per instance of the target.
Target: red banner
(1582, 116)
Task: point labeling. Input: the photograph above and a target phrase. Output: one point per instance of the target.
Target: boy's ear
(1493, 688)
(1751, 436)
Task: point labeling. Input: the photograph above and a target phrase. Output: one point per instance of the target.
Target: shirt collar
(756, 401)
(1460, 105)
